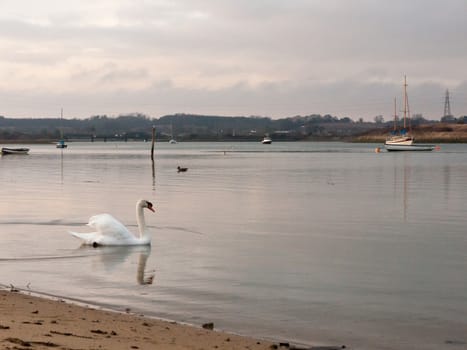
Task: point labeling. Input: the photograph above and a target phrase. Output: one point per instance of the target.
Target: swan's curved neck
(141, 222)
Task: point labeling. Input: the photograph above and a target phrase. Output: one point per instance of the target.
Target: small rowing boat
(6, 150)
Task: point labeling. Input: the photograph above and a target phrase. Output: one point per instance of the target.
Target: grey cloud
(272, 57)
(343, 98)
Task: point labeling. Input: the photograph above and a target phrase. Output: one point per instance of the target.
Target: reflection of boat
(266, 140)
(401, 139)
(6, 150)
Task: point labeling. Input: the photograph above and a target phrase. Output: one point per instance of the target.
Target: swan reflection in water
(113, 256)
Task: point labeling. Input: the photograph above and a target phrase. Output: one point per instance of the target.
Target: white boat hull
(6, 150)
(412, 147)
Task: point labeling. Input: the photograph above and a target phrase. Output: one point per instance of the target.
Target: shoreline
(38, 322)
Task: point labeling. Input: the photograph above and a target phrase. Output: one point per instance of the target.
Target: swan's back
(107, 225)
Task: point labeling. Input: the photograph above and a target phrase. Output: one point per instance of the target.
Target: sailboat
(402, 139)
(401, 136)
(172, 140)
(266, 140)
(61, 143)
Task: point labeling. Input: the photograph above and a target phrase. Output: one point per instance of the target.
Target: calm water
(317, 243)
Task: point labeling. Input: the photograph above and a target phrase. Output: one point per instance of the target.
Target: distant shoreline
(424, 133)
(419, 138)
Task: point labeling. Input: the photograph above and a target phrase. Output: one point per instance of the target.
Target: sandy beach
(31, 322)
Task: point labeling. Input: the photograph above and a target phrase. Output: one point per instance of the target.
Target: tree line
(186, 127)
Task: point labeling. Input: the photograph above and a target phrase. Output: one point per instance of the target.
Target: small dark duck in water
(181, 170)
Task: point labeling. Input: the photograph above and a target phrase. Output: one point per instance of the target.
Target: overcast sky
(274, 58)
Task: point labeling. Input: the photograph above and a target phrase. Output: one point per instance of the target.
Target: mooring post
(153, 140)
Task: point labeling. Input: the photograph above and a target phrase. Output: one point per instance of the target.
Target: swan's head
(147, 204)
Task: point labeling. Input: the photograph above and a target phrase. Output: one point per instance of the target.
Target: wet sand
(31, 322)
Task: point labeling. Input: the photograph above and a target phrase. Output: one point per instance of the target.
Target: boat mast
(395, 115)
(61, 121)
(406, 101)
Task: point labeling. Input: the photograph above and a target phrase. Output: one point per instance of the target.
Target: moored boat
(172, 140)
(7, 150)
(401, 136)
(61, 143)
(401, 139)
(266, 140)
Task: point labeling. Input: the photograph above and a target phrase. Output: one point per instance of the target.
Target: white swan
(110, 231)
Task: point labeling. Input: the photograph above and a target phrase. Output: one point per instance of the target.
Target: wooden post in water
(153, 140)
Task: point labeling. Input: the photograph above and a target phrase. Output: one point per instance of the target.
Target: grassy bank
(427, 133)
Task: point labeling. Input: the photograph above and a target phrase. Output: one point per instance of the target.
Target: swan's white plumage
(110, 231)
